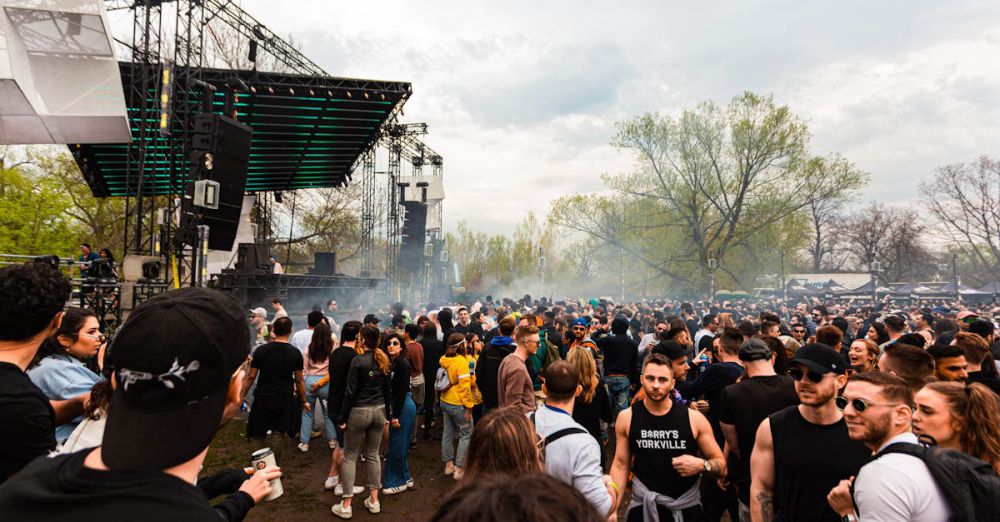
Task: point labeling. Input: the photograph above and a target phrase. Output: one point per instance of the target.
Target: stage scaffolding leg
(392, 225)
(368, 207)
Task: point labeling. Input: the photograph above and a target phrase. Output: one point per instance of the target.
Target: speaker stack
(220, 152)
(411, 255)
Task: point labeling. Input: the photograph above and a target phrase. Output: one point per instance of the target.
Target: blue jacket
(62, 377)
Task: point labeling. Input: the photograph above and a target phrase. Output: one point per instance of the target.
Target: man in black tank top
(804, 451)
(661, 441)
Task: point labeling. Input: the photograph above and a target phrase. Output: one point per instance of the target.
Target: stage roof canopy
(308, 132)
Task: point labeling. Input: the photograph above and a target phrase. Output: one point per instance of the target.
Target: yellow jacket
(462, 373)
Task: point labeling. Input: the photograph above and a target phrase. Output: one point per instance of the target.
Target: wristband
(615, 486)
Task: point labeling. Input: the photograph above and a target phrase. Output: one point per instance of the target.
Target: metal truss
(368, 210)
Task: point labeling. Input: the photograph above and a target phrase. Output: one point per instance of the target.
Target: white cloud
(522, 97)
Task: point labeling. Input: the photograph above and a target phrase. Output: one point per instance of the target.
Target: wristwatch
(708, 466)
(849, 518)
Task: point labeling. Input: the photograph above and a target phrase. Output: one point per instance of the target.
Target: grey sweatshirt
(574, 459)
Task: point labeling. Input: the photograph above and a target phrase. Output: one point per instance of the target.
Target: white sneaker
(373, 507)
(409, 484)
(341, 511)
(393, 491)
(449, 468)
(331, 482)
(303, 447)
(332, 443)
(458, 474)
(339, 490)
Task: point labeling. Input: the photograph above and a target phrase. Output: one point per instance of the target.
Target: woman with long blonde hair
(593, 404)
(505, 443)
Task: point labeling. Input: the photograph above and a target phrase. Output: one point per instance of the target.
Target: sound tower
(220, 151)
(411, 254)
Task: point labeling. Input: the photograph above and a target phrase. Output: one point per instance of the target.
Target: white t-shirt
(899, 487)
(301, 339)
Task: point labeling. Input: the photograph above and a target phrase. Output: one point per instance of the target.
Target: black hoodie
(621, 353)
(62, 489)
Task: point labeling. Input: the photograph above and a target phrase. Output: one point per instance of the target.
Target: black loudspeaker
(411, 254)
(151, 270)
(251, 257)
(325, 263)
(220, 151)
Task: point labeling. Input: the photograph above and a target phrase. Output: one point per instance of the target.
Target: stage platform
(308, 131)
(298, 292)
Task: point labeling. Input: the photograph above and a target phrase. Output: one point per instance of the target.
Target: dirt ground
(304, 473)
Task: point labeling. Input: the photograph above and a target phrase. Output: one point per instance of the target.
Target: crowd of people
(582, 410)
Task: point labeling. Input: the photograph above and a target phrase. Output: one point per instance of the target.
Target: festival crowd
(566, 410)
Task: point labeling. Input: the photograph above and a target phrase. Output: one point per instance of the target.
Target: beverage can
(263, 459)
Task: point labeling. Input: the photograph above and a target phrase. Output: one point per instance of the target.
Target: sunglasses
(798, 373)
(859, 404)
(798, 331)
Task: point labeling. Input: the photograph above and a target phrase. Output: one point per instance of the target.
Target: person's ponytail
(370, 338)
(383, 360)
(981, 427)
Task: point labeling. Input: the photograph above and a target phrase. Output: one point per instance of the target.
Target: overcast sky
(522, 97)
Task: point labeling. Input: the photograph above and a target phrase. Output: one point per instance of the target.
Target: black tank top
(655, 441)
(810, 460)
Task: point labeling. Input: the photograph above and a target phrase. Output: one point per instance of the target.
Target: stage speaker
(411, 254)
(325, 263)
(220, 152)
(251, 257)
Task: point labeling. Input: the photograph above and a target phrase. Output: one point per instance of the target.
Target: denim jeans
(454, 421)
(364, 425)
(618, 391)
(315, 401)
(397, 466)
(418, 394)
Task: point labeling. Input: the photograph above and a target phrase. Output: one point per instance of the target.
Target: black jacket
(399, 386)
(366, 386)
(488, 368)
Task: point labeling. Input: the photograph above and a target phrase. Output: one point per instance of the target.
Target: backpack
(442, 381)
(970, 486)
(537, 362)
(551, 354)
(557, 435)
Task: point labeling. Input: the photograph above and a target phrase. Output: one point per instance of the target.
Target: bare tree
(894, 237)
(965, 200)
(826, 213)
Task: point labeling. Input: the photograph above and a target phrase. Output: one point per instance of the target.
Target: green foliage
(498, 263)
(98, 221)
(33, 217)
(727, 183)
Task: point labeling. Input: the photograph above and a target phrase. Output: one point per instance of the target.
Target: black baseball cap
(754, 349)
(370, 318)
(174, 358)
(820, 358)
(671, 349)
